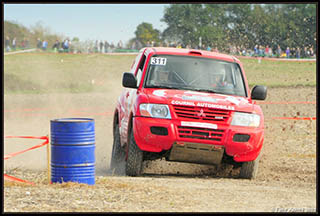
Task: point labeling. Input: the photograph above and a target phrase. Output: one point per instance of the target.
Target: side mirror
(259, 92)
(129, 80)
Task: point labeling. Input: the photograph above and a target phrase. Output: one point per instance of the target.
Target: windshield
(195, 73)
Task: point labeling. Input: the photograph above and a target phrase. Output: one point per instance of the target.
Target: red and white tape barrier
(11, 178)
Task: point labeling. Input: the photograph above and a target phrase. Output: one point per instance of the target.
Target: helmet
(162, 69)
(218, 76)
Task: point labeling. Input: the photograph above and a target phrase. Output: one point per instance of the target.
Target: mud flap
(196, 153)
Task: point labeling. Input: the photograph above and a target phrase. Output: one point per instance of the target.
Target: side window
(239, 81)
(135, 64)
(138, 76)
(140, 69)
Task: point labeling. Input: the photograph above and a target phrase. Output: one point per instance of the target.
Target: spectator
(256, 50)
(106, 46)
(120, 44)
(304, 52)
(270, 52)
(112, 45)
(101, 46)
(293, 52)
(14, 43)
(7, 44)
(133, 45)
(66, 45)
(56, 45)
(44, 45)
(267, 50)
(96, 46)
(70, 47)
(243, 52)
(288, 52)
(298, 53)
(62, 43)
(311, 52)
(39, 43)
(138, 45)
(279, 51)
(261, 51)
(23, 45)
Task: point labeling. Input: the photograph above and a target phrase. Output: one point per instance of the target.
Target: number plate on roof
(158, 61)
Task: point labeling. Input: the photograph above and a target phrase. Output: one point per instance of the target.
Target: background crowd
(68, 46)
(99, 46)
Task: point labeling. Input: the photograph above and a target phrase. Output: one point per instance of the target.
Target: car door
(129, 95)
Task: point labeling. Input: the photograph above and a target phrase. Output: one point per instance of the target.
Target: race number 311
(158, 61)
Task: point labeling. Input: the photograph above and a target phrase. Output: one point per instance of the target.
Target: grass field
(78, 73)
(280, 73)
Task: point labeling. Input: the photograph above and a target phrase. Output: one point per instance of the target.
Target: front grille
(201, 113)
(200, 133)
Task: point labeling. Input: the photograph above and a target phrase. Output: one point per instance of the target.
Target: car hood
(199, 99)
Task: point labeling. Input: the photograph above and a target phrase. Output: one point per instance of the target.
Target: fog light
(162, 131)
(241, 138)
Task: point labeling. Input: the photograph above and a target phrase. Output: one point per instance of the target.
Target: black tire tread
(117, 157)
(249, 169)
(135, 158)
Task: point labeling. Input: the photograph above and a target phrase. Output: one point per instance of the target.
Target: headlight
(245, 119)
(155, 110)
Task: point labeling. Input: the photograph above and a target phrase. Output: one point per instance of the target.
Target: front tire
(249, 169)
(135, 158)
(117, 164)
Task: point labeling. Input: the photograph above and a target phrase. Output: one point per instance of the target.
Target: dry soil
(286, 178)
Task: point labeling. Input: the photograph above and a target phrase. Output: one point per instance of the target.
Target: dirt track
(286, 179)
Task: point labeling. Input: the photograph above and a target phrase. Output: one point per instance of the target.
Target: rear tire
(117, 164)
(135, 158)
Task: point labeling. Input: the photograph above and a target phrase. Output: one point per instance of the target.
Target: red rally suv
(187, 105)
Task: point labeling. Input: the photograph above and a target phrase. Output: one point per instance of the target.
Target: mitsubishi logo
(201, 114)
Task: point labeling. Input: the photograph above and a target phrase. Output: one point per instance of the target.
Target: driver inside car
(160, 76)
(220, 80)
(163, 75)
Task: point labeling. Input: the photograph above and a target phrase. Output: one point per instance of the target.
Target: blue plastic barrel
(73, 150)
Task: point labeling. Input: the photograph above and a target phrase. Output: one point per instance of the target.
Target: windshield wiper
(204, 90)
(163, 86)
(184, 88)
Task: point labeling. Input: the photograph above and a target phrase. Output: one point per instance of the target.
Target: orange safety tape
(92, 114)
(296, 118)
(24, 109)
(286, 102)
(48, 109)
(71, 112)
(33, 147)
(11, 178)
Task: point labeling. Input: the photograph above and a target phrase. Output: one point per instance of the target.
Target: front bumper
(176, 132)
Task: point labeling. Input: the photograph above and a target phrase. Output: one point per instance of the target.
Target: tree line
(219, 26)
(240, 25)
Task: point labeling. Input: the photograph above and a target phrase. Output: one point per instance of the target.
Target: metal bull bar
(196, 153)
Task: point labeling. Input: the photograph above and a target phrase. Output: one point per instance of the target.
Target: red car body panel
(129, 116)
